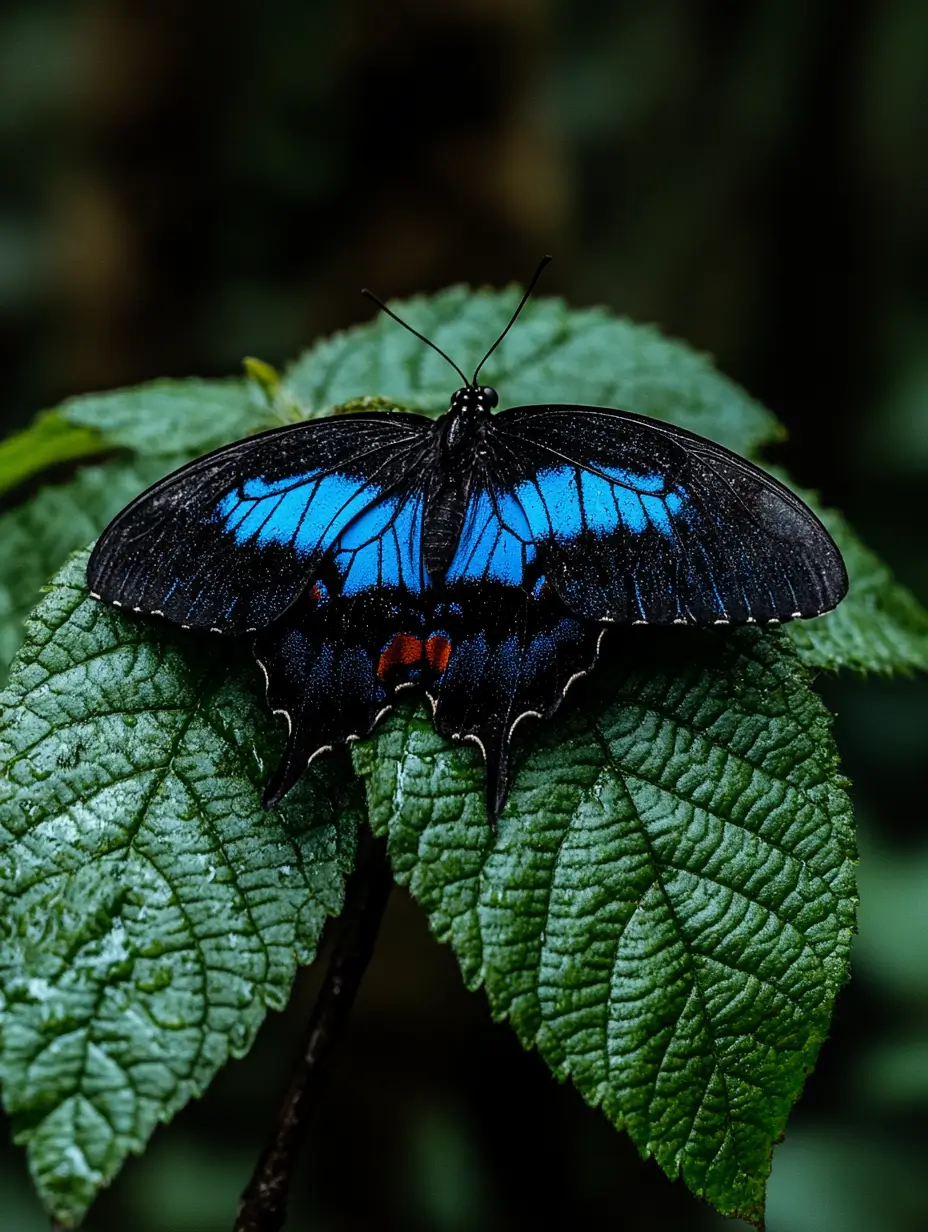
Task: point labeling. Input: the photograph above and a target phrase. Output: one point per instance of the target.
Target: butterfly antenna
(428, 342)
(512, 320)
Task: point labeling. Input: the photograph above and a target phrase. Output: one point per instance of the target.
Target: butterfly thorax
(460, 436)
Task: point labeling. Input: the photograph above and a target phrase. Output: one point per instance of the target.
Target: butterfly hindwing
(332, 666)
(641, 522)
(229, 541)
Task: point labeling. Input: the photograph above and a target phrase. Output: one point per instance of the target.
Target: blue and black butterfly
(477, 556)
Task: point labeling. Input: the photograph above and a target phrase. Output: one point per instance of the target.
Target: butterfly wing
(640, 522)
(512, 657)
(231, 540)
(336, 658)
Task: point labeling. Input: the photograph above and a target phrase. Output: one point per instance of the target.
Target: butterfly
(478, 557)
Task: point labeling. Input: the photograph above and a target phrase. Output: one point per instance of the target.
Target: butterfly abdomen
(443, 519)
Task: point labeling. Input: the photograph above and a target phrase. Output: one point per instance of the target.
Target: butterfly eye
(489, 395)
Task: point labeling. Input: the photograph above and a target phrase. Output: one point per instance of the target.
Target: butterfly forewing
(230, 541)
(639, 522)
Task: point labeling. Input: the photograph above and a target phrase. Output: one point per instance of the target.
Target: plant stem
(263, 1206)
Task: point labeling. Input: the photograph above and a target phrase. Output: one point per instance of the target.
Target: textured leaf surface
(40, 535)
(667, 908)
(555, 354)
(185, 417)
(880, 626)
(150, 913)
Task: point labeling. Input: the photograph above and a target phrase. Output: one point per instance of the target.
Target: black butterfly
(477, 556)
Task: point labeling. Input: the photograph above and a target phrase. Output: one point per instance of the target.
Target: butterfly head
(474, 400)
(464, 424)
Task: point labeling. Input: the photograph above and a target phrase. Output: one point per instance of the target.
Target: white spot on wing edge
(323, 748)
(94, 595)
(579, 675)
(526, 714)
(285, 713)
(575, 677)
(474, 739)
(356, 736)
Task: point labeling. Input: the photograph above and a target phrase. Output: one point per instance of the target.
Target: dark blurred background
(186, 182)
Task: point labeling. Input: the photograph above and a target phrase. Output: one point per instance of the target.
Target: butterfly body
(477, 557)
(460, 435)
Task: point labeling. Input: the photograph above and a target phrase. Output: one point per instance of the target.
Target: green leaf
(667, 908)
(39, 535)
(150, 913)
(555, 354)
(172, 418)
(880, 626)
(48, 441)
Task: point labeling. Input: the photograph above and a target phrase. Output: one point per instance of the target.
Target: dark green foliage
(150, 913)
(667, 911)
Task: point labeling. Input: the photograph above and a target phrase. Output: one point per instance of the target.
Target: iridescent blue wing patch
(496, 543)
(230, 541)
(639, 522)
(382, 547)
(575, 517)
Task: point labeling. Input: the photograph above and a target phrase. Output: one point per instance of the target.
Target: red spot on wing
(404, 651)
(437, 652)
